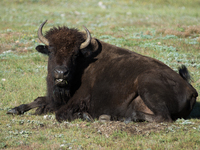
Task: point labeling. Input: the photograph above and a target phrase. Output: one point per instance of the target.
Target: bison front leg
(69, 116)
(39, 102)
(74, 109)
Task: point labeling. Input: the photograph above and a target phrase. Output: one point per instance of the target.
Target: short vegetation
(166, 30)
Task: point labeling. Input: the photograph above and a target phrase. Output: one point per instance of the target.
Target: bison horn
(87, 41)
(40, 35)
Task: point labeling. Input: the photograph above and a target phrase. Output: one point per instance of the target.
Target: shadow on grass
(195, 114)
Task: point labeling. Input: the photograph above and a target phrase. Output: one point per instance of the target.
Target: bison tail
(184, 73)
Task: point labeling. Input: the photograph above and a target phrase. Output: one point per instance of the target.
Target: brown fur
(105, 79)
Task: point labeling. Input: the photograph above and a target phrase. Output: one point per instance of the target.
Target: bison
(88, 78)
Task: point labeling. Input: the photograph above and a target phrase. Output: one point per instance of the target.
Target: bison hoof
(104, 118)
(87, 117)
(14, 111)
(62, 116)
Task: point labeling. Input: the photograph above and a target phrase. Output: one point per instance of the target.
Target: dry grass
(140, 26)
(186, 31)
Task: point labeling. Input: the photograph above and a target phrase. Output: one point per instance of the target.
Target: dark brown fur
(105, 79)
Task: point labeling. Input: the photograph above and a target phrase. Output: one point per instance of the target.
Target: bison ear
(90, 49)
(42, 49)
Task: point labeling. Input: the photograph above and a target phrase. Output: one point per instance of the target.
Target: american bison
(88, 78)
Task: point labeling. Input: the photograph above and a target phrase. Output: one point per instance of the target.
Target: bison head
(63, 46)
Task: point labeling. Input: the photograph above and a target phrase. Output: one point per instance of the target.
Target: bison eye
(76, 55)
(50, 48)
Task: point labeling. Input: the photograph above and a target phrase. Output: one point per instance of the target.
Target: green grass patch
(165, 30)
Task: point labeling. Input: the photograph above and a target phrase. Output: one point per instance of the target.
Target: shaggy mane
(64, 38)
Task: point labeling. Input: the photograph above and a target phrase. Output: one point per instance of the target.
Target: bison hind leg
(140, 112)
(141, 116)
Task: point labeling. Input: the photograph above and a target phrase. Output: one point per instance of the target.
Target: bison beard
(61, 95)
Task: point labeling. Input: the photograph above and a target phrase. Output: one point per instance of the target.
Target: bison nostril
(65, 74)
(60, 73)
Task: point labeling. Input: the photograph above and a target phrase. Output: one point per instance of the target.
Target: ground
(166, 30)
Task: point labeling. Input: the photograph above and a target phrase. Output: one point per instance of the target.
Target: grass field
(163, 29)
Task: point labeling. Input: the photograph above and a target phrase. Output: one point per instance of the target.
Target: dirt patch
(10, 41)
(108, 128)
(181, 31)
(141, 128)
